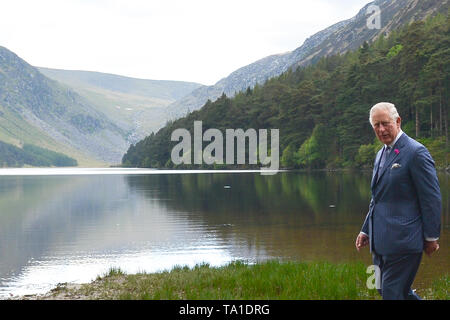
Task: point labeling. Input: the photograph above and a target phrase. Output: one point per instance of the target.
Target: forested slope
(322, 110)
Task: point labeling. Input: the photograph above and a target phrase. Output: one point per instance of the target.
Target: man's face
(385, 129)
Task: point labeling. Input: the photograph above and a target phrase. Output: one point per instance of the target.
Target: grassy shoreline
(271, 280)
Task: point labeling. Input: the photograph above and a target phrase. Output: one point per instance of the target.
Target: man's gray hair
(390, 107)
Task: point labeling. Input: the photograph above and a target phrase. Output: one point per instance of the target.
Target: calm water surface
(71, 225)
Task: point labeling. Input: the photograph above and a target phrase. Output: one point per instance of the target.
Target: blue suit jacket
(406, 200)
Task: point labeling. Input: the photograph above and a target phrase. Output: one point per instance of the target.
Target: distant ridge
(136, 105)
(42, 112)
(338, 38)
(161, 89)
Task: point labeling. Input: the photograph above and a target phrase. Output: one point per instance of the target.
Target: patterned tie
(383, 160)
(384, 156)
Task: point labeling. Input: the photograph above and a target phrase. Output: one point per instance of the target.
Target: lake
(73, 224)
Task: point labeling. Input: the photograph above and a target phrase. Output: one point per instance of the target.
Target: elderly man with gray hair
(404, 215)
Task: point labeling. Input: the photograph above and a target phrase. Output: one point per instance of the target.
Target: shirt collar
(396, 138)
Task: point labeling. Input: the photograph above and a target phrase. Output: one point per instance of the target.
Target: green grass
(439, 289)
(271, 280)
(237, 280)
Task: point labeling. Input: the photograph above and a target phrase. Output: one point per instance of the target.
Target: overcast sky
(189, 40)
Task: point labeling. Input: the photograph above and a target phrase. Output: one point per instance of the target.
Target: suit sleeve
(426, 183)
(365, 227)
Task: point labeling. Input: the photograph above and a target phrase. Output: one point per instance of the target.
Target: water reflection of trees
(312, 215)
(348, 193)
(316, 195)
(278, 214)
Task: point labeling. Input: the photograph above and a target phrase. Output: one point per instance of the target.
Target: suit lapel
(376, 167)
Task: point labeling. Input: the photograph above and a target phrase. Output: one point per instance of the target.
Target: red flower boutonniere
(396, 151)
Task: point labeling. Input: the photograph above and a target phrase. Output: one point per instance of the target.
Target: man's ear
(399, 121)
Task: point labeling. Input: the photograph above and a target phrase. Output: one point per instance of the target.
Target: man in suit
(405, 210)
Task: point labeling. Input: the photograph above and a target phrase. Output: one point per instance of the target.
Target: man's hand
(361, 241)
(430, 246)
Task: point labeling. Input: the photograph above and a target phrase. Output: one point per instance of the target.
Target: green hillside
(322, 110)
(40, 111)
(16, 131)
(12, 156)
(139, 105)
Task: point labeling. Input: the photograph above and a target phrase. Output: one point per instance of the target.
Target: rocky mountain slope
(90, 116)
(338, 38)
(35, 109)
(393, 15)
(137, 105)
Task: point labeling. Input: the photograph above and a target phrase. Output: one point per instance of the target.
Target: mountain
(336, 39)
(137, 105)
(42, 112)
(321, 110)
(90, 116)
(153, 89)
(393, 15)
(248, 76)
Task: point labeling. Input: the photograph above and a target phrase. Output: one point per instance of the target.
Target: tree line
(12, 156)
(322, 110)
